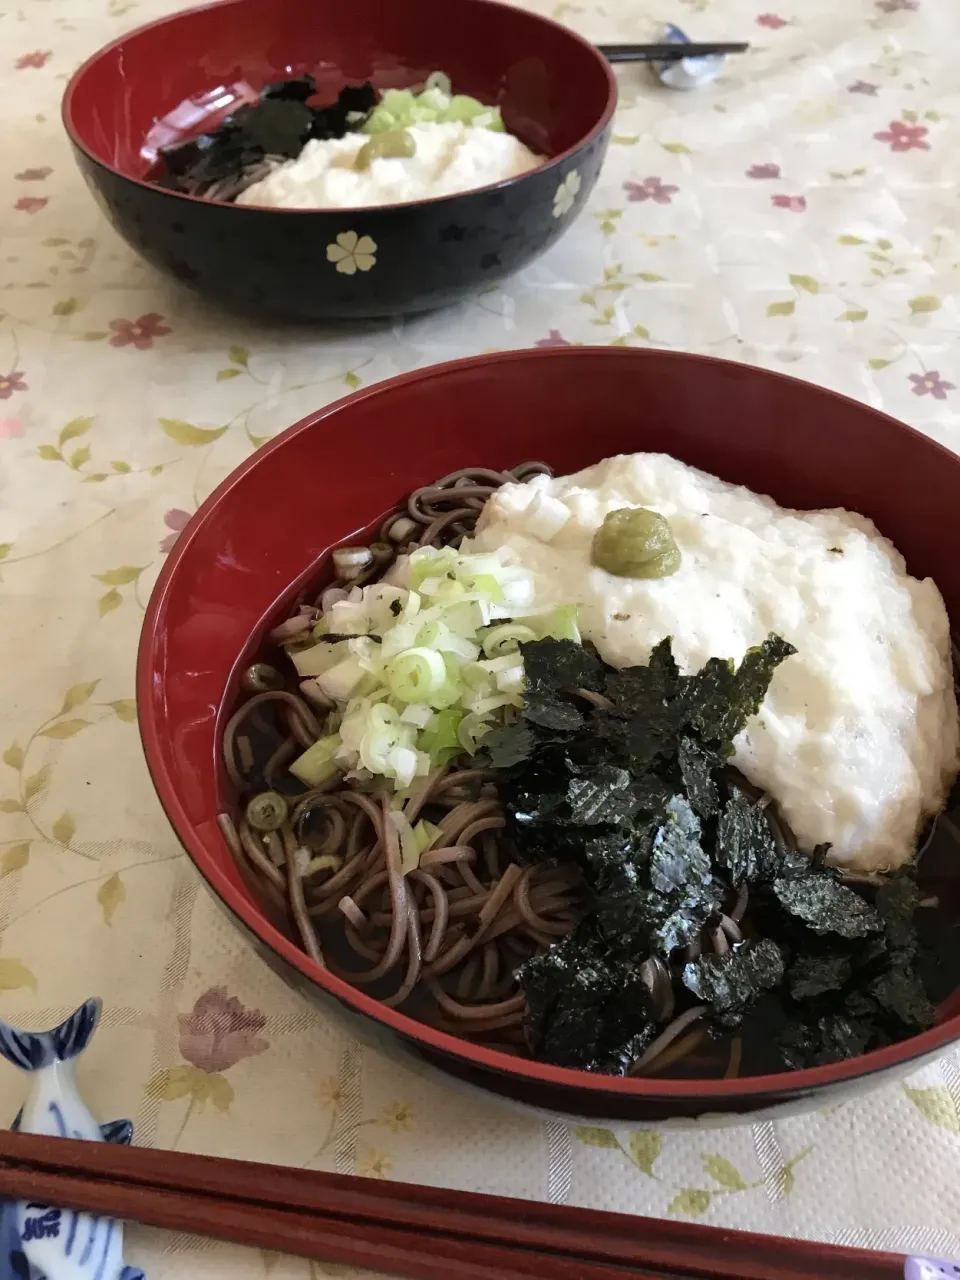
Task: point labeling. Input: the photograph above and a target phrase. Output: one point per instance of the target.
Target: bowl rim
(706, 1090)
(554, 162)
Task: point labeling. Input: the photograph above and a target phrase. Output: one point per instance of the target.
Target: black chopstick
(671, 52)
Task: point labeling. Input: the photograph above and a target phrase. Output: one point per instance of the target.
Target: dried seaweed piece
(721, 698)
(900, 991)
(896, 901)
(697, 768)
(273, 127)
(586, 1009)
(506, 746)
(735, 980)
(609, 795)
(555, 665)
(669, 921)
(831, 1038)
(645, 701)
(827, 906)
(296, 90)
(815, 975)
(335, 120)
(678, 862)
(224, 162)
(745, 844)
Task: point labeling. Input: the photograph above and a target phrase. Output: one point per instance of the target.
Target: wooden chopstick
(672, 51)
(396, 1251)
(419, 1232)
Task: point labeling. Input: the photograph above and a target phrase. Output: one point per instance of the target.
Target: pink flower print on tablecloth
(764, 171)
(31, 204)
(772, 21)
(905, 137)
(864, 87)
(796, 204)
(898, 6)
(931, 384)
(220, 1032)
(176, 520)
(139, 333)
(650, 189)
(10, 428)
(38, 58)
(554, 338)
(11, 382)
(33, 175)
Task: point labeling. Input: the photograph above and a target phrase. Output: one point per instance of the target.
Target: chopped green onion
(415, 675)
(506, 638)
(417, 714)
(562, 624)
(267, 811)
(409, 846)
(426, 834)
(472, 728)
(438, 80)
(317, 763)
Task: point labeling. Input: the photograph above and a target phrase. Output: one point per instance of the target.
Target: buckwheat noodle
(453, 930)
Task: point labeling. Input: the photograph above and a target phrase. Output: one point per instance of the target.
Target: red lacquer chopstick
(419, 1232)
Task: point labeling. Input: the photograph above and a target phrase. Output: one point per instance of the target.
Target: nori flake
(896, 901)
(814, 975)
(697, 768)
(830, 1038)
(899, 991)
(721, 698)
(734, 980)
(745, 844)
(827, 906)
(584, 1009)
(506, 746)
(607, 796)
(678, 862)
(279, 125)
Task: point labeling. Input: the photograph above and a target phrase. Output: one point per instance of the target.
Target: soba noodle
(458, 925)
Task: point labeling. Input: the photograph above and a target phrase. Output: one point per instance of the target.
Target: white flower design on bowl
(352, 253)
(566, 194)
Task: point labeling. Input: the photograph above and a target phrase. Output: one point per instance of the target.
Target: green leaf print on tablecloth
(644, 1147)
(722, 1171)
(937, 1105)
(111, 895)
(30, 785)
(14, 975)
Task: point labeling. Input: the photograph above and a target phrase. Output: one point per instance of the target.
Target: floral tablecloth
(801, 213)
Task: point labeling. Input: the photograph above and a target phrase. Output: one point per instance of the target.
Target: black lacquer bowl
(158, 85)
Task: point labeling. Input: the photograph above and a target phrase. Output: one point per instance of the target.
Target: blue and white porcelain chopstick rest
(686, 73)
(38, 1241)
(931, 1269)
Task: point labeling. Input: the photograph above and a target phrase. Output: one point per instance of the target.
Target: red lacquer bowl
(176, 77)
(262, 535)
